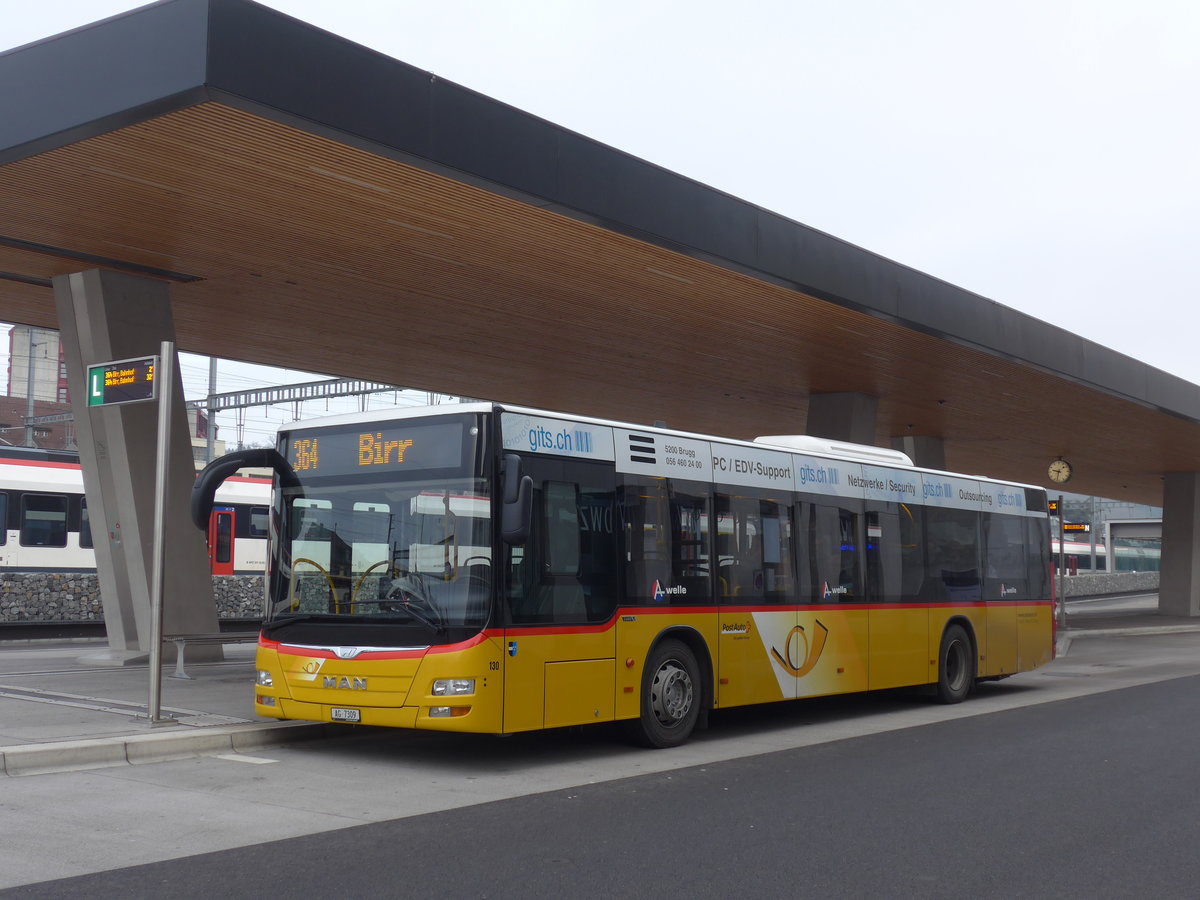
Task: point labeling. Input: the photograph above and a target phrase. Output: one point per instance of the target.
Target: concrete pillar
(843, 417)
(105, 316)
(1179, 580)
(926, 452)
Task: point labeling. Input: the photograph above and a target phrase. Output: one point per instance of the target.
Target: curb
(1073, 633)
(1069, 635)
(100, 753)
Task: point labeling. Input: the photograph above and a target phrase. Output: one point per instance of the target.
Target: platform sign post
(1062, 569)
(135, 381)
(167, 357)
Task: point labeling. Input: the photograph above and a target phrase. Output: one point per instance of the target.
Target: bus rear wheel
(956, 665)
(671, 696)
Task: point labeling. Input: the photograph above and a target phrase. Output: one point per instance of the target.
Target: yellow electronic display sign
(395, 447)
(122, 381)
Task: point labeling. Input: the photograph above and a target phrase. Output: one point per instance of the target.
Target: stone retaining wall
(70, 597)
(74, 597)
(1102, 584)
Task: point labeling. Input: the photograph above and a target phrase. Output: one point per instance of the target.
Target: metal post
(212, 416)
(1092, 535)
(164, 376)
(1062, 567)
(29, 410)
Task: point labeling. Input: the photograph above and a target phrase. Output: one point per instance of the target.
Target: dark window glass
(830, 536)
(1037, 533)
(952, 555)
(665, 525)
(85, 526)
(258, 522)
(3, 519)
(224, 548)
(883, 557)
(911, 519)
(566, 571)
(1006, 572)
(895, 554)
(754, 549)
(44, 520)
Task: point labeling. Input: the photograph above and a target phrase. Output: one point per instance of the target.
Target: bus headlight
(453, 687)
(263, 678)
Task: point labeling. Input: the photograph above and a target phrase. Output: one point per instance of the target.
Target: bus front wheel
(956, 665)
(671, 696)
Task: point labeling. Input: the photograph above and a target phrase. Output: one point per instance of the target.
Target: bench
(217, 637)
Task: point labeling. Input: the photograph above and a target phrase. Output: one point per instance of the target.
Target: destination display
(392, 447)
(122, 381)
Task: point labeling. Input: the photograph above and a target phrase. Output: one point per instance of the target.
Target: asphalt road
(1094, 796)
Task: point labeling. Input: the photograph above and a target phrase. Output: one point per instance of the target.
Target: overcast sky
(1042, 153)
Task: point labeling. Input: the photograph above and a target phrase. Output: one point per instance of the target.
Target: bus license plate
(341, 714)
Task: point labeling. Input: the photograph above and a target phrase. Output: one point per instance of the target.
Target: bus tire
(671, 696)
(956, 665)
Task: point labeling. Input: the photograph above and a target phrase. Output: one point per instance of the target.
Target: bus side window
(566, 571)
(754, 553)
(952, 555)
(667, 535)
(3, 518)
(1006, 572)
(833, 558)
(883, 555)
(1037, 537)
(912, 552)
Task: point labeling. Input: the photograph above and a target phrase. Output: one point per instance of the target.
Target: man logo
(344, 683)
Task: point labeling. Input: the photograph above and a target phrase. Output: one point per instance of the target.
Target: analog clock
(1060, 471)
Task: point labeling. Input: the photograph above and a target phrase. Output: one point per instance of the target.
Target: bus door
(220, 540)
(761, 649)
(560, 587)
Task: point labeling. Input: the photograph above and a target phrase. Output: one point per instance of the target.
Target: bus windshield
(404, 543)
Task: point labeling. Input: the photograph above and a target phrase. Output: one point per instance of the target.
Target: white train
(1136, 558)
(47, 529)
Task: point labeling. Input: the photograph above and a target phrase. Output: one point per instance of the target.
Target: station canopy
(318, 206)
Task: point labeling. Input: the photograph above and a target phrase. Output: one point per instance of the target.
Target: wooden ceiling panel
(312, 254)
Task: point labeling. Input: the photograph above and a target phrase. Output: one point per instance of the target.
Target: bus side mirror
(516, 510)
(219, 469)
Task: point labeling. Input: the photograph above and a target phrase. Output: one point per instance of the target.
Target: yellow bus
(489, 568)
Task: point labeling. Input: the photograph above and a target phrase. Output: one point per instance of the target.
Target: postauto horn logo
(812, 650)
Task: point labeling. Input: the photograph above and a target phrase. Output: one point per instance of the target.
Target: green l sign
(122, 381)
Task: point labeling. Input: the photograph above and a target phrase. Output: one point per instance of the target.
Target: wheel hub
(671, 693)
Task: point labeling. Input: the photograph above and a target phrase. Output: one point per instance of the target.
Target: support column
(926, 452)
(1179, 580)
(843, 417)
(104, 316)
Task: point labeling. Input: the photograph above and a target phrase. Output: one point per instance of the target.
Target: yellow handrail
(294, 602)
